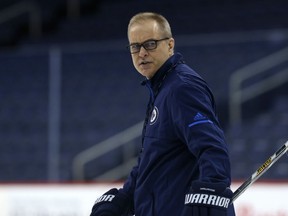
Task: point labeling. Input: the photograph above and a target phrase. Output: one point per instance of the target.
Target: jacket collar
(165, 69)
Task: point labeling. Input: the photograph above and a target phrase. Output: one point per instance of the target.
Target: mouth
(144, 63)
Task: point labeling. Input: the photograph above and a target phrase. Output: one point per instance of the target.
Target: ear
(171, 45)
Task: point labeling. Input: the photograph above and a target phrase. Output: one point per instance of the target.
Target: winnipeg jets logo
(154, 115)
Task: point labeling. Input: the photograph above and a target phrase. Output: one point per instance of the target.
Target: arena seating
(101, 92)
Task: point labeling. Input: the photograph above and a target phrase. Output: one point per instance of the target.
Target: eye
(150, 44)
(134, 47)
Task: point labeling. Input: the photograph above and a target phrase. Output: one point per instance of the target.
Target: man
(183, 168)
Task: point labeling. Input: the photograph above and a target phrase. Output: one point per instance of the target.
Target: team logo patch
(154, 115)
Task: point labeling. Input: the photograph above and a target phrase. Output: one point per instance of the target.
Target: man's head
(151, 42)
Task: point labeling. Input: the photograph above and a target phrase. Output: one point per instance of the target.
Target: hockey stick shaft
(260, 171)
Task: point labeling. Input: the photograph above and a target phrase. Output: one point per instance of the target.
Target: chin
(146, 73)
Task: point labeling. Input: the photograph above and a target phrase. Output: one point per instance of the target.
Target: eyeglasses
(150, 44)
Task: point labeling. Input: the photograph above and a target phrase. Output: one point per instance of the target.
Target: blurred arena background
(71, 103)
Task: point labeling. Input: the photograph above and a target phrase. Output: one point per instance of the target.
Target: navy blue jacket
(182, 142)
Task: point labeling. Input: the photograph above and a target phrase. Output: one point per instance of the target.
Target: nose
(143, 52)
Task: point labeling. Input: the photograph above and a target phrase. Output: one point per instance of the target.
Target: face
(147, 62)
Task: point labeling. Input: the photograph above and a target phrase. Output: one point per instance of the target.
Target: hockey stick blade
(260, 171)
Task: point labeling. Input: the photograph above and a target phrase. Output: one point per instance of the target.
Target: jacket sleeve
(194, 116)
(129, 187)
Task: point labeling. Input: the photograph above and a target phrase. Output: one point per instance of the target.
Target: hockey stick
(260, 171)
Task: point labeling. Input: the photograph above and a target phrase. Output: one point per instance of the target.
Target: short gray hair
(160, 20)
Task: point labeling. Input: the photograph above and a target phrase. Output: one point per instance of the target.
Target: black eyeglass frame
(139, 45)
